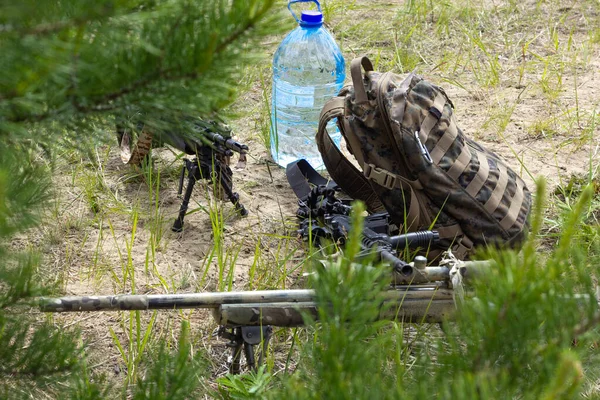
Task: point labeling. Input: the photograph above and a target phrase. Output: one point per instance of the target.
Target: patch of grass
(565, 198)
(246, 386)
(336, 9)
(543, 128)
(132, 349)
(420, 10)
(499, 117)
(263, 119)
(405, 58)
(486, 66)
(594, 35)
(175, 371)
(156, 223)
(222, 254)
(590, 127)
(124, 279)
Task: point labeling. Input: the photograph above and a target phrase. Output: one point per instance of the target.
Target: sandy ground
(92, 251)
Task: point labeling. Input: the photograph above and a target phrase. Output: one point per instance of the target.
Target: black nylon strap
(300, 175)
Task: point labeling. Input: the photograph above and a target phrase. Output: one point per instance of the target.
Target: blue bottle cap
(311, 17)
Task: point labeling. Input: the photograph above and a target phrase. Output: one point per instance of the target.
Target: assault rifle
(323, 217)
(211, 145)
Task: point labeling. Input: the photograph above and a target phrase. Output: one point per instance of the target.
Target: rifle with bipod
(246, 318)
(211, 145)
(417, 292)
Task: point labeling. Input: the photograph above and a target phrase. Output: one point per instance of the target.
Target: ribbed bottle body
(308, 69)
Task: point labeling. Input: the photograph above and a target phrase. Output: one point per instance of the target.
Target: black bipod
(212, 168)
(245, 338)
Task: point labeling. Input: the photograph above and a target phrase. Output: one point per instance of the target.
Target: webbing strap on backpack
(360, 94)
(341, 170)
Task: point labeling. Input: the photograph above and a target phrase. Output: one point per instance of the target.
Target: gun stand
(213, 168)
(246, 337)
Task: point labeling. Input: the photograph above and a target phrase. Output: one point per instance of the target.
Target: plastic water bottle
(308, 69)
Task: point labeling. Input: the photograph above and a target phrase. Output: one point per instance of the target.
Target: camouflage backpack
(419, 165)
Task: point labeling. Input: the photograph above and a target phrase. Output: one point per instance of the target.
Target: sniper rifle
(246, 318)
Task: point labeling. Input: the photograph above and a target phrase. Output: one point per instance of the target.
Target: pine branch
(44, 29)
(103, 103)
(51, 28)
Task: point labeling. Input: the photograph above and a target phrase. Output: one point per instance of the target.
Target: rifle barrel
(171, 301)
(431, 301)
(413, 240)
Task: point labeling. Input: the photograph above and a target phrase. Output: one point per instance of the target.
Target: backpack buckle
(463, 247)
(380, 176)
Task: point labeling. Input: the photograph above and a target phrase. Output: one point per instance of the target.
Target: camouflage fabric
(424, 170)
(134, 153)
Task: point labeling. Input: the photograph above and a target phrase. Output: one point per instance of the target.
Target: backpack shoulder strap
(341, 170)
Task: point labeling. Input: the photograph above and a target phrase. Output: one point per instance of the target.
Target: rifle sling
(300, 175)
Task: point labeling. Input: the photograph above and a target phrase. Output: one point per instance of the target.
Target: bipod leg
(192, 169)
(236, 343)
(253, 335)
(246, 337)
(249, 353)
(227, 186)
(267, 332)
(236, 360)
